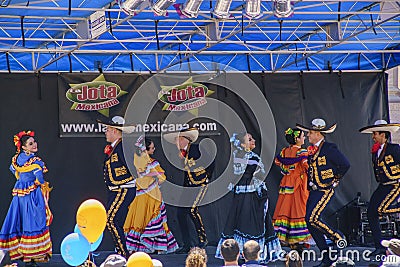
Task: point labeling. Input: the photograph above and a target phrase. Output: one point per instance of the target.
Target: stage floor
(174, 260)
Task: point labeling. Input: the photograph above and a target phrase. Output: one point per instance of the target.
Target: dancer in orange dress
(289, 217)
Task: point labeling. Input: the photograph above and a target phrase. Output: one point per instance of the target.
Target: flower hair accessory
(18, 136)
(140, 144)
(289, 131)
(235, 141)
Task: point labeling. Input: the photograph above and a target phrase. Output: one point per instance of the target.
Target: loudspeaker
(4, 258)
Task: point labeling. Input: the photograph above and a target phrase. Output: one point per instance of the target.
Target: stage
(358, 254)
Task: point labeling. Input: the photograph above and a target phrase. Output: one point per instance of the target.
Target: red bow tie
(375, 148)
(183, 152)
(108, 149)
(312, 150)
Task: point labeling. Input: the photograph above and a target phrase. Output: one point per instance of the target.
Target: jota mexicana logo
(185, 96)
(97, 95)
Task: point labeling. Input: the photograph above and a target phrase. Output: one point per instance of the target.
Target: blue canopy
(58, 35)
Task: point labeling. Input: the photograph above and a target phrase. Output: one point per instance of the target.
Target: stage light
(191, 8)
(253, 8)
(132, 7)
(283, 8)
(161, 6)
(222, 8)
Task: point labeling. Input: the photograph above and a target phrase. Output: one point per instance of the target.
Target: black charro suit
(196, 174)
(121, 192)
(384, 200)
(326, 167)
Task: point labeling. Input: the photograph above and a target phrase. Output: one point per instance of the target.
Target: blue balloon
(94, 245)
(75, 249)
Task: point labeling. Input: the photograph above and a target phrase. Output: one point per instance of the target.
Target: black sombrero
(381, 126)
(190, 133)
(118, 122)
(318, 125)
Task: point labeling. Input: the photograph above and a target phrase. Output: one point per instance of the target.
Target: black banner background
(30, 101)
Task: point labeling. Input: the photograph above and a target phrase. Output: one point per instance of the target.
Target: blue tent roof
(51, 35)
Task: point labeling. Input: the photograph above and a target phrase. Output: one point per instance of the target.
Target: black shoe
(378, 251)
(182, 250)
(203, 244)
(32, 263)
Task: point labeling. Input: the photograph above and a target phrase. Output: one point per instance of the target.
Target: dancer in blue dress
(249, 217)
(25, 232)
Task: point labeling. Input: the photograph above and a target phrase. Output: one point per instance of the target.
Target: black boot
(32, 263)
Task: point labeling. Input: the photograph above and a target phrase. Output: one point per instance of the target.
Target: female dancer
(290, 211)
(25, 232)
(248, 217)
(146, 223)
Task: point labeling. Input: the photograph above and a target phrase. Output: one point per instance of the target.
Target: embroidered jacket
(326, 166)
(195, 171)
(387, 165)
(116, 172)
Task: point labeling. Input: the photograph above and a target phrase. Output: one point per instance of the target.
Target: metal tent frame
(45, 35)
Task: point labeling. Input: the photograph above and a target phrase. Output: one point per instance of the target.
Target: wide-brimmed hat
(381, 126)
(190, 133)
(118, 122)
(318, 125)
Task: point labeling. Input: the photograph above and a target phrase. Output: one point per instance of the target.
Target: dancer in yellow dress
(146, 223)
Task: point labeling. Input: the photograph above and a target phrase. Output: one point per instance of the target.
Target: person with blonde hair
(197, 257)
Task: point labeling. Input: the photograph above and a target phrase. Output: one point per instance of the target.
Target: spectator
(293, 259)
(343, 261)
(114, 260)
(392, 245)
(251, 253)
(230, 252)
(197, 257)
(157, 263)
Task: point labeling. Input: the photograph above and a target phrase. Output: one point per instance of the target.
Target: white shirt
(380, 149)
(319, 142)
(113, 143)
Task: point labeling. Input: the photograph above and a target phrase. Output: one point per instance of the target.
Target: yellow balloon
(91, 219)
(139, 259)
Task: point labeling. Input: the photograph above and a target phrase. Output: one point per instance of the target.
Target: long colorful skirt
(25, 232)
(146, 226)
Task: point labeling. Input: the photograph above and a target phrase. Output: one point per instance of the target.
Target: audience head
(293, 259)
(230, 250)
(114, 260)
(197, 257)
(157, 263)
(392, 245)
(251, 250)
(343, 261)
